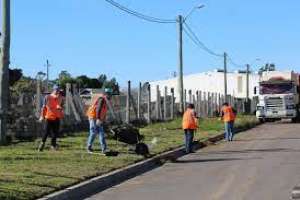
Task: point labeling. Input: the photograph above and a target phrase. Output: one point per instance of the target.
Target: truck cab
(278, 96)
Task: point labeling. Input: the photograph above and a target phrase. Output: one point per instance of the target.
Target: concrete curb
(296, 193)
(100, 183)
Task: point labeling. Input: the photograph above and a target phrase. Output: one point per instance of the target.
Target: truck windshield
(281, 88)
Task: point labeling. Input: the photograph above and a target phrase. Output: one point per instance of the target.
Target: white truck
(278, 96)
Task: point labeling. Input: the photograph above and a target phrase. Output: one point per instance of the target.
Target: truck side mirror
(255, 90)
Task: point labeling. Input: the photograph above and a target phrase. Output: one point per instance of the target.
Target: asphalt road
(261, 164)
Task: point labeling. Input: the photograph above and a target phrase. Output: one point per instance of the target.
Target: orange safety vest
(189, 120)
(229, 115)
(52, 109)
(92, 111)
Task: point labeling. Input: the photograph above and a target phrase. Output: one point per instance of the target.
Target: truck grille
(274, 103)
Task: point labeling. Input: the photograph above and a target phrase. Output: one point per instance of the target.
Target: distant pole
(149, 103)
(247, 106)
(4, 64)
(172, 103)
(225, 76)
(247, 83)
(128, 102)
(180, 64)
(47, 80)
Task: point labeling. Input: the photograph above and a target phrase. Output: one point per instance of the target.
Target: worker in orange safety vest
(228, 114)
(52, 113)
(97, 115)
(189, 125)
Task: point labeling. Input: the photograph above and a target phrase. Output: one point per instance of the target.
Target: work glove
(99, 122)
(41, 119)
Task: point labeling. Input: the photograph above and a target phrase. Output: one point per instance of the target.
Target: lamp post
(180, 21)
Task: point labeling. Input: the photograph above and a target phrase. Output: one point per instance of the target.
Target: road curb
(100, 183)
(296, 193)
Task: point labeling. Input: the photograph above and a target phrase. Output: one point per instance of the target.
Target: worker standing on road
(228, 115)
(189, 125)
(97, 115)
(52, 112)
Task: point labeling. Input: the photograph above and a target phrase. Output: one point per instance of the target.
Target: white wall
(208, 82)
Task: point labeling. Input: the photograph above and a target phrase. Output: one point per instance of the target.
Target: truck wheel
(261, 120)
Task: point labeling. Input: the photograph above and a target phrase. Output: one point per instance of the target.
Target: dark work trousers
(52, 128)
(189, 137)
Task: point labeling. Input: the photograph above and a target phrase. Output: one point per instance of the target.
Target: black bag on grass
(127, 134)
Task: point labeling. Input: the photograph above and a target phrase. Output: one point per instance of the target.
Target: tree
(14, 76)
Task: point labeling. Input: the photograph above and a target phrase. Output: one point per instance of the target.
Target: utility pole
(47, 81)
(4, 73)
(247, 82)
(180, 64)
(247, 89)
(225, 76)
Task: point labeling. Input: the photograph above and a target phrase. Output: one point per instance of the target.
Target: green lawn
(28, 174)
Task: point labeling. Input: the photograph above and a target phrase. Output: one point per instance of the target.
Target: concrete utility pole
(180, 64)
(4, 73)
(247, 82)
(225, 76)
(47, 81)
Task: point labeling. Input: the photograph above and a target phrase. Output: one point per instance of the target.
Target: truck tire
(261, 120)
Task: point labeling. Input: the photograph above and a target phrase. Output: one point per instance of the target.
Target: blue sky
(91, 37)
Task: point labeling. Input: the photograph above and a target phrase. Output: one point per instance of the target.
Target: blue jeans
(229, 132)
(189, 136)
(94, 130)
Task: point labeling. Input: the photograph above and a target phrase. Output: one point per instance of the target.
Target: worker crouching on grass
(189, 125)
(52, 112)
(97, 115)
(228, 114)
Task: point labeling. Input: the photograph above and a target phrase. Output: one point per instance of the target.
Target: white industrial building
(212, 82)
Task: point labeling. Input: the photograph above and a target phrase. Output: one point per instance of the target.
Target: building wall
(209, 82)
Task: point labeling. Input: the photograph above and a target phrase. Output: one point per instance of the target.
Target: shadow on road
(245, 151)
(212, 160)
(265, 139)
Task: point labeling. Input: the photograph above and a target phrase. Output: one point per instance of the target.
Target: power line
(230, 60)
(191, 34)
(140, 15)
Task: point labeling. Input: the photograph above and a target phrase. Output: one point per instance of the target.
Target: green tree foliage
(84, 81)
(14, 76)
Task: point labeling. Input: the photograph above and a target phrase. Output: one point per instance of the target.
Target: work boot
(54, 148)
(41, 147)
(90, 150)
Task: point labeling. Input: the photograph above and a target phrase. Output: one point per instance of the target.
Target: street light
(180, 22)
(192, 11)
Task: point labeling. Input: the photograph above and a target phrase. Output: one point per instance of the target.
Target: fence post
(139, 101)
(149, 104)
(38, 97)
(68, 95)
(204, 104)
(128, 102)
(200, 104)
(208, 104)
(165, 102)
(157, 103)
(172, 103)
(184, 100)
(197, 102)
(190, 96)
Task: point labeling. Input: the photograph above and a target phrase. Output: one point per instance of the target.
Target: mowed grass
(27, 174)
